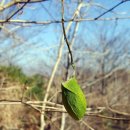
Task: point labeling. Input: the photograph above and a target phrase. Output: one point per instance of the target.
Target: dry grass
(22, 117)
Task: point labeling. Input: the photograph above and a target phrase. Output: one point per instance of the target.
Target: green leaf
(73, 99)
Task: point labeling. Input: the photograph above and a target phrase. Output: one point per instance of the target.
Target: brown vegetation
(19, 116)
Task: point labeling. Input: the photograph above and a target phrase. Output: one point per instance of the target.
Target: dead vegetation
(15, 115)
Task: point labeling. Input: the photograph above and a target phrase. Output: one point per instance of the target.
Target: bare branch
(17, 10)
(108, 117)
(86, 124)
(118, 112)
(123, 1)
(27, 22)
(55, 68)
(66, 40)
(12, 3)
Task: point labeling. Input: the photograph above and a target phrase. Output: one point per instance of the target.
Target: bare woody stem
(17, 11)
(65, 36)
(123, 1)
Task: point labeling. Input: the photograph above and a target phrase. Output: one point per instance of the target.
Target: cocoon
(73, 98)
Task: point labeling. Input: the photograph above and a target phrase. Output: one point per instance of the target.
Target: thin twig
(123, 1)
(75, 20)
(118, 112)
(108, 117)
(17, 11)
(85, 123)
(64, 32)
(63, 119)
(102, 7)
(48, 22)
(15, 2)
(59, 56)
(10, 102)
(57, 109)
(68, 56)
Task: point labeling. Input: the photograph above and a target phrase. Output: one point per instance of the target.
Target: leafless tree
(26, 32)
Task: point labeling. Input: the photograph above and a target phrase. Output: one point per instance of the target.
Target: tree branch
(27, 22)
(65, 37)
(17, 11)
(123, 1)
(12, 3)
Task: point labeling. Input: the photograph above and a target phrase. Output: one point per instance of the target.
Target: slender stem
(65, 36)
(123, 1)
(17, 11)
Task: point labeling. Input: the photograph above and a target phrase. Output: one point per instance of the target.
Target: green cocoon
(73, 98)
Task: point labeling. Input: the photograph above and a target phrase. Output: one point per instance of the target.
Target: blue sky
(41, 42)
